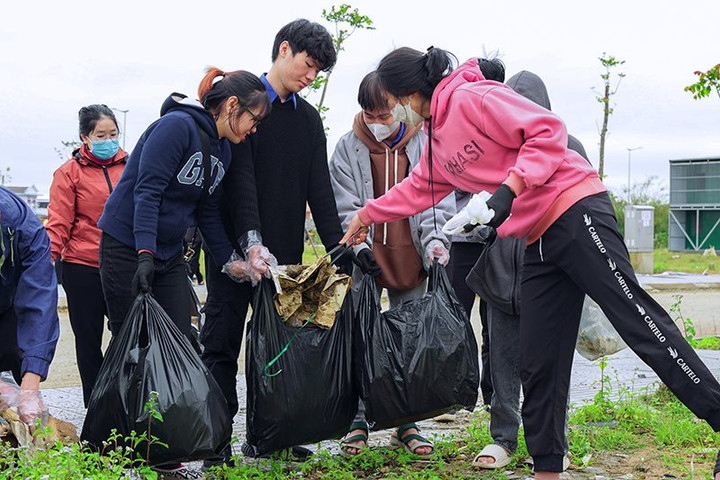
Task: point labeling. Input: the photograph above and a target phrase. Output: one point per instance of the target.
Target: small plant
(687, 325)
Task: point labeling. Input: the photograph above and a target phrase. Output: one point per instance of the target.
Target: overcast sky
(59, 56)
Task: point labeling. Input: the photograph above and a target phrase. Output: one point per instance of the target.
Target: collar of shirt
(273, 94)
(399, 136)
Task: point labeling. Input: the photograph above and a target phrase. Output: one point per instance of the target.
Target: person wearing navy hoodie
(29, 325)
(165, 189)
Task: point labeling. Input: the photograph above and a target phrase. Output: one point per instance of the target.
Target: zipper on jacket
(107, 178)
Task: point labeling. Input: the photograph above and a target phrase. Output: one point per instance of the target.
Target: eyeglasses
(256, 119)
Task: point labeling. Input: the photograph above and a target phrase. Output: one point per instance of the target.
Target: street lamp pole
(124, 112)
(629, 199)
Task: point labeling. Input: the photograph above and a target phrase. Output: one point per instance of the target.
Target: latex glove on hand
(367, 263)
(31, 408)
(436, 250)
(144, 274)
(476, 212)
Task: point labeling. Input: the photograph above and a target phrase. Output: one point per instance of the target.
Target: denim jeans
(504, 330)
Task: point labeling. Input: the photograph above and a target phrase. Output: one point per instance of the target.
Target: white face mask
(405, 114)
(380, 131)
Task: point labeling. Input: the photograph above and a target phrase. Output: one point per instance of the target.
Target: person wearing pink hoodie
(483, 136)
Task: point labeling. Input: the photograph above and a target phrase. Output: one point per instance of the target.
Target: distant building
(694, 204)
(30, 195)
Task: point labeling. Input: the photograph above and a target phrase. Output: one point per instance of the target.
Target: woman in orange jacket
(78, 193)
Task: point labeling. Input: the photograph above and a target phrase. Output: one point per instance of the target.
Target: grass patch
(688, 262)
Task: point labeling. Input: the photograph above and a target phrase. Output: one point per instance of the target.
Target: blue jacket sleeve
(162, 152)
(36, 297)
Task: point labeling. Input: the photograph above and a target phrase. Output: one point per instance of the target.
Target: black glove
(501, 202)
(343, 260)
(366, 262)
(143, 279)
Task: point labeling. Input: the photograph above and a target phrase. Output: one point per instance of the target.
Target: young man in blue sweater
(29, 324)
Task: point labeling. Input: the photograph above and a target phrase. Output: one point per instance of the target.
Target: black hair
(247, 87)
(309, 37)
(406, 71)
(89, 117)
(492, 69)
(371, 95)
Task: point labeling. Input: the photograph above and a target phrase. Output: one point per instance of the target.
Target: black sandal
(716, 470)
(347, 442)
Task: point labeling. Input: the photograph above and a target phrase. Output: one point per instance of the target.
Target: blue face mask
(104, 149)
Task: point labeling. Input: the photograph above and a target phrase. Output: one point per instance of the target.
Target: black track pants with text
(582, 252)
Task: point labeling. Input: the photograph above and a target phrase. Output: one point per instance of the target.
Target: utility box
(640, 236)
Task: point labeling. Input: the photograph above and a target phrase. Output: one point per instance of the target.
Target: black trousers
(463, 256)
(87, 310)
(583, 253)
(170, 288)
(225, 310)
(10, 354)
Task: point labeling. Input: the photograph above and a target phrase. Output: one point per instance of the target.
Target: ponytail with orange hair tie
(207, 82)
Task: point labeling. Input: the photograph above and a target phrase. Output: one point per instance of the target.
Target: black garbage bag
(417, 360)
(150, 354)
(307, 394)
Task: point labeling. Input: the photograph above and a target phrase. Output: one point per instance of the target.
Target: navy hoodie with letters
(158, 195)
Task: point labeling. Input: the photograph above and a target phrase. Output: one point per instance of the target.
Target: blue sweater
(28, 283)
(157, 197)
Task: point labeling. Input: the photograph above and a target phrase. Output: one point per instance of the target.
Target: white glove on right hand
(476, 212)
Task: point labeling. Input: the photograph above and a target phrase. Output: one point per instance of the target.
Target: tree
(707, 81)
(608, 62)
(346, 20)
(67, 148)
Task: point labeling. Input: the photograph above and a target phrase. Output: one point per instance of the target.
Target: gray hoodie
(352, 182)
(533, 88)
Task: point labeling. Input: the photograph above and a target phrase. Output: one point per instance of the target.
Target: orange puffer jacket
(78, 193)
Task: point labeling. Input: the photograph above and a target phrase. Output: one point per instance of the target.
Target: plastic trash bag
(417, 360)
(150, 354)
(596, 337)
(307, 394)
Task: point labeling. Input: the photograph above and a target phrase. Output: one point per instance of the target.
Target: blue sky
(132, 54)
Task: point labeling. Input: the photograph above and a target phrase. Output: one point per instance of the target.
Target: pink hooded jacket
(481, 132)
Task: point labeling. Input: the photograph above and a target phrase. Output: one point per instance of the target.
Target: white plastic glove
(436, 249)
(29, 402)
(476, 212)
(240, 270)
(9, 391)
(261, 260)
(31, 408)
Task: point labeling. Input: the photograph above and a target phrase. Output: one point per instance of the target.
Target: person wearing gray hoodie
(375, 155)
(504, 332)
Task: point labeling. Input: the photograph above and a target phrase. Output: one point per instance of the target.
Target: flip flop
(398, 441)
(716, 470)
(347, 442)
(501, 456)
